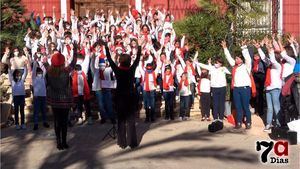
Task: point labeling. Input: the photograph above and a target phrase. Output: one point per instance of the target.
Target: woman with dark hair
(126, 97)
(59, 96)
(241, 82)
(218, 85)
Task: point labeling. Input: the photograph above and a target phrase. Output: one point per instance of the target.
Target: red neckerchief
(167, 84)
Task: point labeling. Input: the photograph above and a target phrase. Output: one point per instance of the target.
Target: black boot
(172, 115)
(147, 119)
(57, 130)
(152, 115)
(167, 116)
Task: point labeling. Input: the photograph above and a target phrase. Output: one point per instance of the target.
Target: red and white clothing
(190, 70)
(68, 52)
(204, 85)
(108, 81)
(149, 80)
(168, 82)
(273, 73)
(80, 85)
(241, 74)
(184, 88)
(288, 66)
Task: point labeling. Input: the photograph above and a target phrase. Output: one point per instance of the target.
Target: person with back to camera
(126, 97)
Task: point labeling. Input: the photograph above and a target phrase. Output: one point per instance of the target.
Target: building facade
(283, 15)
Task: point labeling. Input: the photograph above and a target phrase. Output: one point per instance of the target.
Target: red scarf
(268, 77)
(253, 86)
(86, 89)
(146, 80)
(193, 70)
(185, 83)
(68, 50)
(170, 82)
(256, 64)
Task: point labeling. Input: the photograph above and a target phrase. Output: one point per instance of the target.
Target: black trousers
(126, 119)
(258, 101)
(61, 124)
(205, 104)
(219, 95)
(79, 106)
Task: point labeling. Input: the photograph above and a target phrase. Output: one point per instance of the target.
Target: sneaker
(18, 127)
(36, 127)
(238, 126)
(267, 128)
(203, 118)
(90, 121)
(248, 126)
(208, 119)
(23, 127)
(46, 125)
(80, 121)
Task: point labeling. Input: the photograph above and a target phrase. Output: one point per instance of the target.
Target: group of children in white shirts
(164, 66)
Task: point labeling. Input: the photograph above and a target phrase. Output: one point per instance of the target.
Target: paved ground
(165, 145)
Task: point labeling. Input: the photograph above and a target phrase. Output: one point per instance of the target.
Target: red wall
(291, 16)
(36, 5)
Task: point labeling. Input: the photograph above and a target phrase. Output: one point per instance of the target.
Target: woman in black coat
(125, 100)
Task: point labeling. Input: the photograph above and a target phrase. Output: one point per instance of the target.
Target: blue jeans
(169, 104)
(100, 97)
(218, 96)
(273, 104)
(39, 105)
(149, 99)
(107, 103)
(184, 106)
(19, 104)
(241, 97)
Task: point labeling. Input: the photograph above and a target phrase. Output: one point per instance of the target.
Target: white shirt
(185, 90)
(288, 67)
(80, 83)
(39, 86)
(151, 79)
(242, 73)
(18, 88)
(205, 85)
(171, 87)
(217, 75)
(108, 82)
(276, 81)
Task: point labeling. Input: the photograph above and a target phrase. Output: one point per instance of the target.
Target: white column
(138, 5)
(63, 8)
(280, 17)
